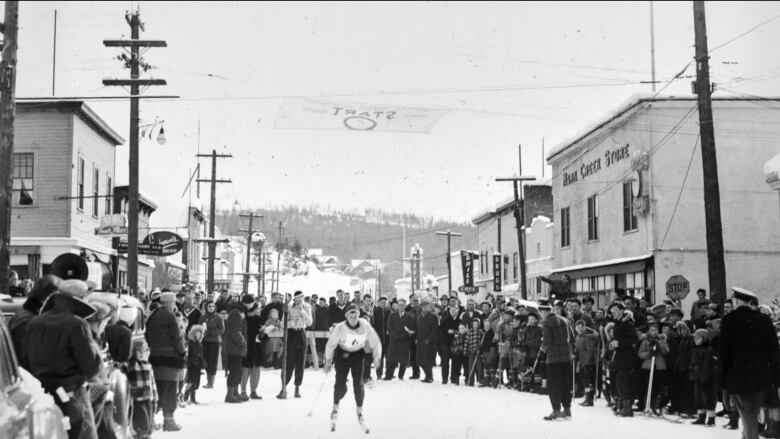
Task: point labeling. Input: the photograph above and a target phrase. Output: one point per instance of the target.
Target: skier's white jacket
(353, 340)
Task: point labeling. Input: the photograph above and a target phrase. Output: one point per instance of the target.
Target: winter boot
(617, 409)
(627, 410)
(169, 424)
(553, 416)
(254, 395)
(700, 419)
(297, 392)
(733, 421)
(192, 396)
(588, 402)
(711, 421)
(232, 395)
(209, 382)
(567, 413)
(243, 397)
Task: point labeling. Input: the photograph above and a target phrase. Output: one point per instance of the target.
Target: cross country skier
(347, 347)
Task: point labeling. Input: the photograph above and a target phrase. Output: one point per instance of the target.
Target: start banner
(311, 114)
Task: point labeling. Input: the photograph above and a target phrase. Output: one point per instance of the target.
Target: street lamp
(148, 130)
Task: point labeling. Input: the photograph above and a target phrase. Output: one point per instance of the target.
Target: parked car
(26, 411)
(9, 305)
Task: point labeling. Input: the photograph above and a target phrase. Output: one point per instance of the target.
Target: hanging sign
(496, 272)
(467, 265)
(157, 244)
(310, 114)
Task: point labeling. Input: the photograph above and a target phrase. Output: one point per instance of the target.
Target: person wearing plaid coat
(474, 339)
(143, 390)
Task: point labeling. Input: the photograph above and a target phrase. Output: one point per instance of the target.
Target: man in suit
(399, 330)
(379, 322)
(749, 360)
(556, 344)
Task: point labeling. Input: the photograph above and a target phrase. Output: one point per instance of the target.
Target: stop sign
(677, 287)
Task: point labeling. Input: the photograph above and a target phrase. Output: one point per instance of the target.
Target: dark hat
(351, 307)
(383, 298)
(659, 309)
(247, 299)
(45, 286)
(743, 294)
(544, 306)
(394, 301)
(588, 300)
(298, 294)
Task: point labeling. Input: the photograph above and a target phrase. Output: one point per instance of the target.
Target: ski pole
(474, 364)
(317, 397)
(650, 383)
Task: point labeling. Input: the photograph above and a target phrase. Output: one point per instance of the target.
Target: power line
(682, 186)
(745, 33)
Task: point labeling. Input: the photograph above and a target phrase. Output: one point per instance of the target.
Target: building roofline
(81, 109)
(631, 104)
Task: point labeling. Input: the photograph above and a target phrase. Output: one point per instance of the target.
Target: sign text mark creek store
(588, 168)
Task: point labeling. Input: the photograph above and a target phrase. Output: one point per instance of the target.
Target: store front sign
(677, 287)
(589, 168)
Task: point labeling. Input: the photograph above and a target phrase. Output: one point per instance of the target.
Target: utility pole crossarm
(136, 82)
(134, 43)
(215, 155)
(208, 180)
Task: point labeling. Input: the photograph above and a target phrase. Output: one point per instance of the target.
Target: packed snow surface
(411, 409)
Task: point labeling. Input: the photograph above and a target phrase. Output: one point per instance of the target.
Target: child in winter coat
(474, 339)
(195, 361)
(702, 373)
(586, 351)
(531, 344)
(143, 391)
(460, 356)
(516, 354)
(654, 346)
(273, 343)
(488, 351)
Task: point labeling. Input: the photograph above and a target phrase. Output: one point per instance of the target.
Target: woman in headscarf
(347, 347)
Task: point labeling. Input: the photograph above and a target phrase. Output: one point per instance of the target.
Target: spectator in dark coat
(212, 341)
(427, 335)
(336, 310)
(43, 288)
(234, 345)
(399, 330)
(119, 338)
(167, 356)
(62, 353)
(625, 357)
(276, 303)
(748, 360)
(448, 327)
(195, 362)
(556, 344)
(379, 322)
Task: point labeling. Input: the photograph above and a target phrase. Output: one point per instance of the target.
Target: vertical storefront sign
(496, 272)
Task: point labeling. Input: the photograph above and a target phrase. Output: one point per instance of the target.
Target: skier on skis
(345, 348)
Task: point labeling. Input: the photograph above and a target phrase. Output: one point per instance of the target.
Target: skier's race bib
(354, 341)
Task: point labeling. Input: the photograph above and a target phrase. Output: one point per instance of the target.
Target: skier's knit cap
(351, 307)
(247, 299)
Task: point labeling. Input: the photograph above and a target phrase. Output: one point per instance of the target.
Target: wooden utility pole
(278, 259)
(716, 265)
(449, 235)
(249, 234)
(10, 29)
(520, 220)
(212, 243)
(135, 63)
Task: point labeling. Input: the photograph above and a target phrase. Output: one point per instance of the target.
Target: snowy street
(400, 409)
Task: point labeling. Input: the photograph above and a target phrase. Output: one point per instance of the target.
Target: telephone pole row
(212, 242)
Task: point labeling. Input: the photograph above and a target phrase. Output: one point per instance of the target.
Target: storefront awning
(608, 267)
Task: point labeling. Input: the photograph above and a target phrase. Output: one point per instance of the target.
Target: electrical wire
(682, 187)
(745, 33)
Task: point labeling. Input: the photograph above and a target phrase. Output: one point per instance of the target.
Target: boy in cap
(143, 391)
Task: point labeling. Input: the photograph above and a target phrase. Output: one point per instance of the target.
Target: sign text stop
(677, 287)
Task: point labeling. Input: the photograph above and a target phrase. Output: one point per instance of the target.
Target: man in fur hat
(63, 355)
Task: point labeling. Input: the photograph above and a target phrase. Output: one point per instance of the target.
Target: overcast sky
(509, 74)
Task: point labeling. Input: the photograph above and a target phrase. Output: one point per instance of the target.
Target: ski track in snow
(411, 409)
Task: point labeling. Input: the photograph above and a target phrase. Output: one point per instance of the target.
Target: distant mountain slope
(373, 234)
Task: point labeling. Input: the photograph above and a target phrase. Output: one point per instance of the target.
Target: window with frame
(514, 266)
(565, 228)
(80, 184)
(95, 190)
(629, 218)
(23, 175)
(109, 189)
(593, 218)
(506, 269)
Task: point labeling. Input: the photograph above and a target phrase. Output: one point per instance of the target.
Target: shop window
(565, 227)
(23, 174)
(629, 218)
(506, 269)
(95, 190)
(593, 218)
(514, 266)
(80, 184)
(109, 189)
